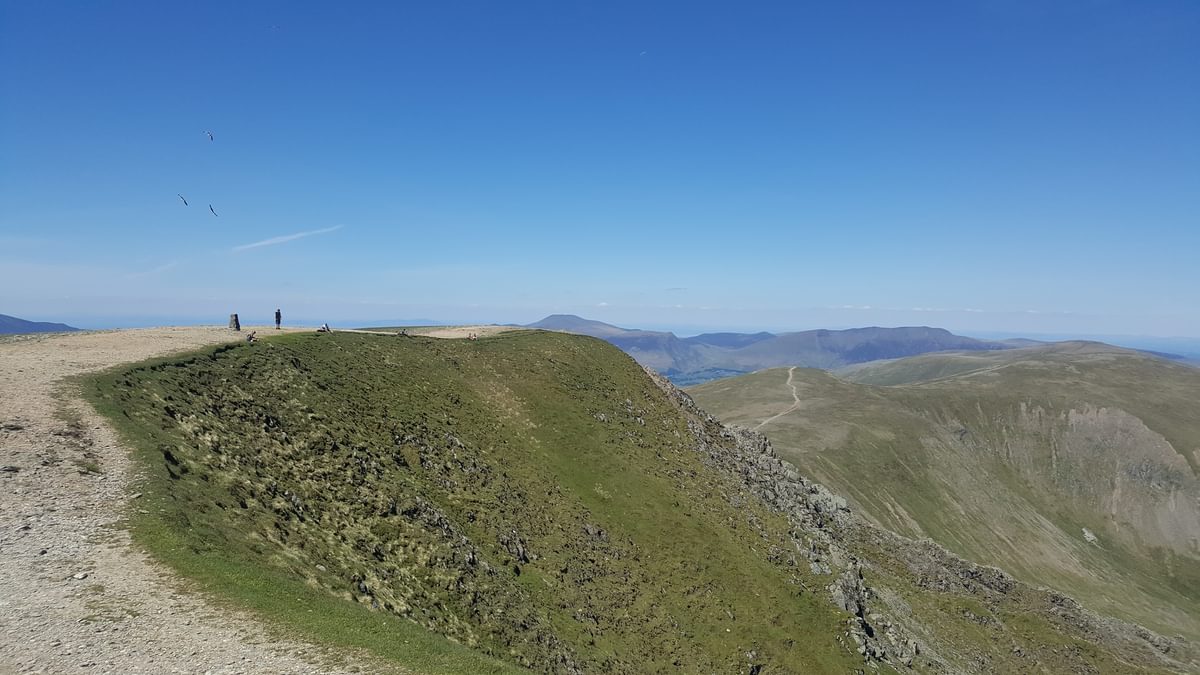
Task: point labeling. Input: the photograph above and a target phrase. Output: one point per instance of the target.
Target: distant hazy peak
(571, 323)
(11, 325)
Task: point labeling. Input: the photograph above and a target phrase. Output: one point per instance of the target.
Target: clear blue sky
(1004, 166)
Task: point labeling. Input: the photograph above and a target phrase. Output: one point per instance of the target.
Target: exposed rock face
(1101, 460)
(1152, 494)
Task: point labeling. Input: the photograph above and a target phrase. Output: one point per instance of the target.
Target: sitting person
(252, 337)
(324, 328)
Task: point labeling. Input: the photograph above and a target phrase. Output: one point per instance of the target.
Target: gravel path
(795, 398)
(76, 596)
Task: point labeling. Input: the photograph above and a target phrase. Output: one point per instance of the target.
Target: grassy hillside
(519, 494)
(538, 500)
(1006, 458)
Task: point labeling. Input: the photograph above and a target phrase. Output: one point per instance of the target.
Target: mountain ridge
(711, 355)
(11, 325)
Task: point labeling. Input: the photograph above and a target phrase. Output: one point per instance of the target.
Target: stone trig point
(234, 323)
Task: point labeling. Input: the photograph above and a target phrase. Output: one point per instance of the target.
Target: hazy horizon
(1187, 344)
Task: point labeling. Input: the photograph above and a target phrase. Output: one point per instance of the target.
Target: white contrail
(285, 238)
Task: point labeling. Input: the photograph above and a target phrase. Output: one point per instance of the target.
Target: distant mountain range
(697, 359)
(10, 325)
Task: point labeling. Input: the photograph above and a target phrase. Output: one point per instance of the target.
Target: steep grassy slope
(534, 496)
(542, 500)
(1006, 458)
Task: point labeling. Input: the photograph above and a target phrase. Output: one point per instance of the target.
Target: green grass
(376, 494)
(297, 610)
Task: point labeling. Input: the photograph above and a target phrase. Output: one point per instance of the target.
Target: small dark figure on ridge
(278, 319)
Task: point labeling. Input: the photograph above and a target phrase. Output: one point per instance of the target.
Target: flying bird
(184, 200)
(210, 136)
(210, 208)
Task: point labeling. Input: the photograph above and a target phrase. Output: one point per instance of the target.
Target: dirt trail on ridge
(76, 595)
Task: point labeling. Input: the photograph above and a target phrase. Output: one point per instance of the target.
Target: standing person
(278, 318)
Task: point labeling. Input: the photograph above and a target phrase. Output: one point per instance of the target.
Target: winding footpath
(76, 595)
(795, 401)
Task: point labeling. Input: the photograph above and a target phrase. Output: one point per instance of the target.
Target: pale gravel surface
(130, 614)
